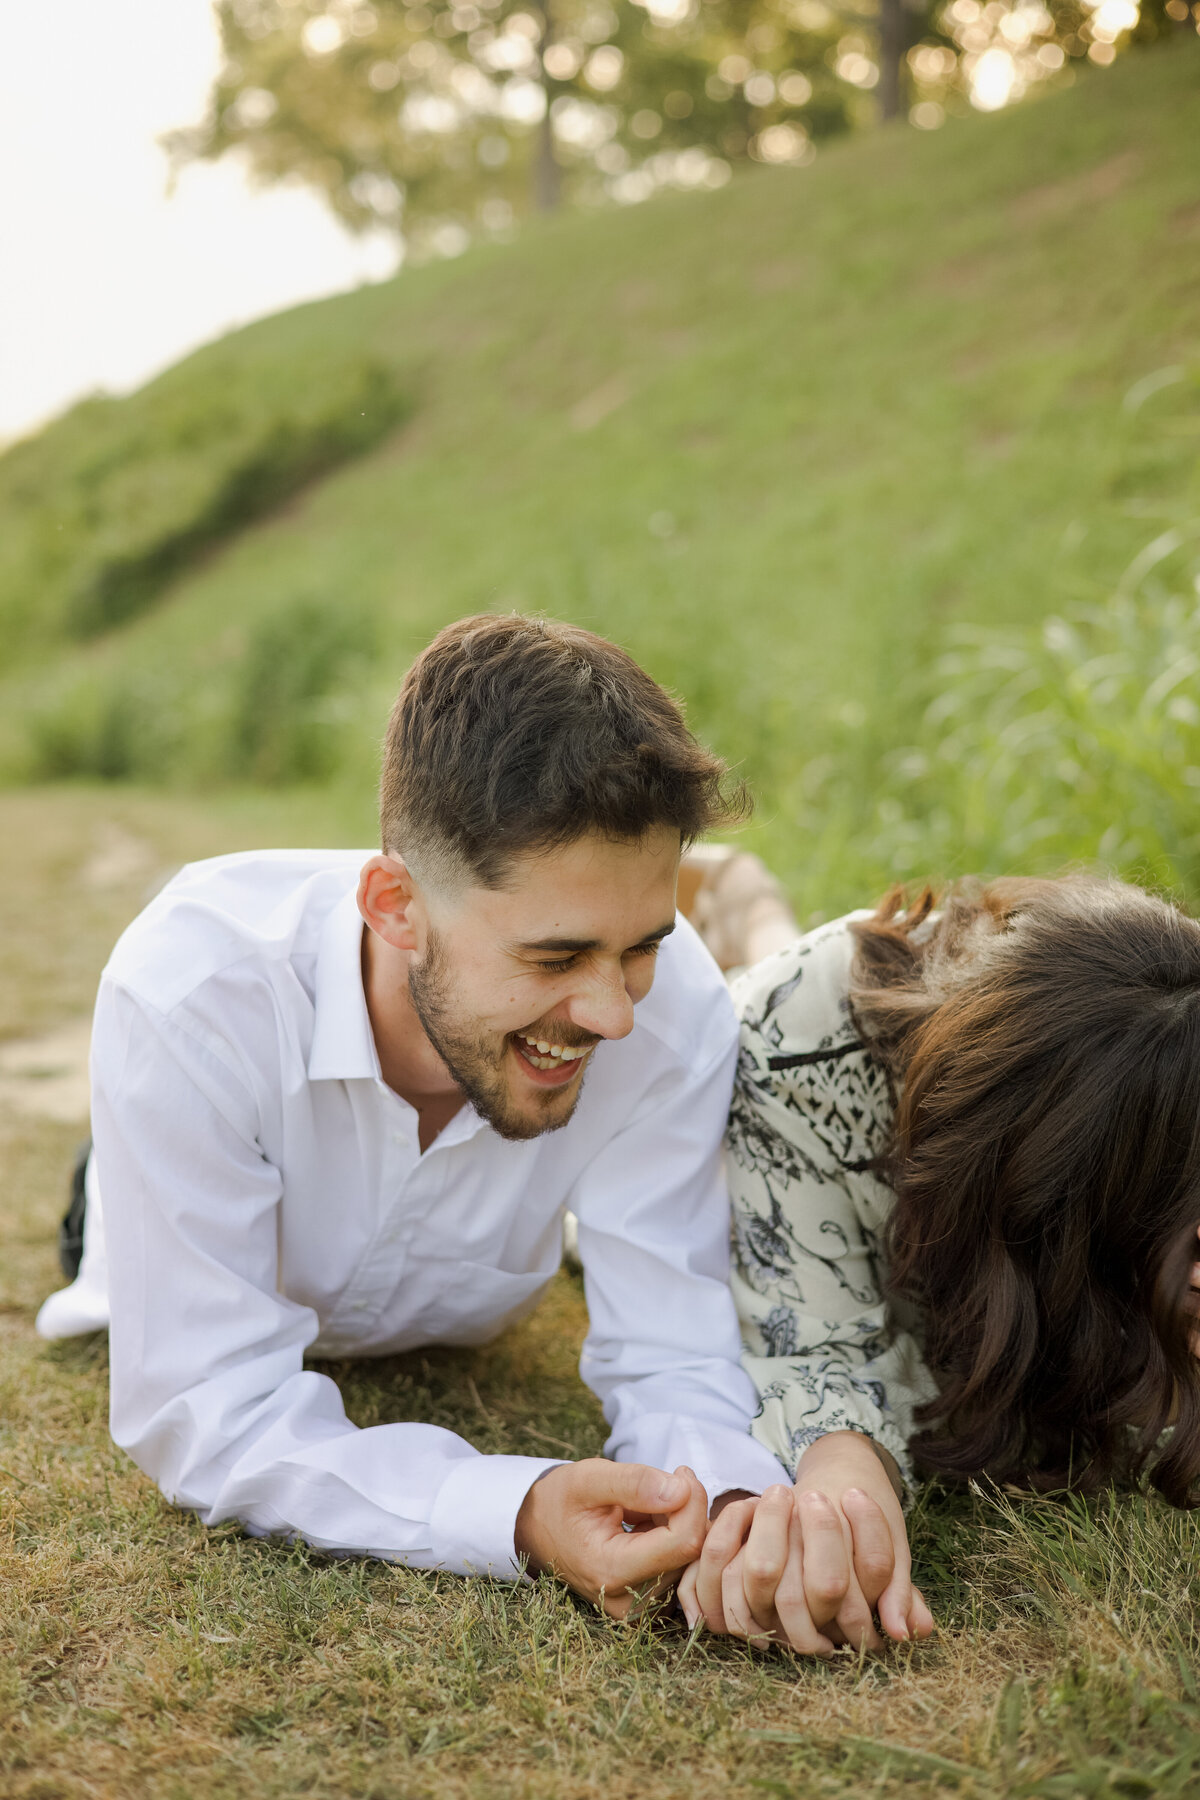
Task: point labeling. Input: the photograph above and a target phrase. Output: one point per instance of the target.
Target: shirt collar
(343, 1044)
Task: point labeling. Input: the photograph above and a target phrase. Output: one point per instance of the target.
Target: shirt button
(360, 1306)
(398, 1137)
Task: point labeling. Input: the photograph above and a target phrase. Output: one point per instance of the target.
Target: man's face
(516, 986)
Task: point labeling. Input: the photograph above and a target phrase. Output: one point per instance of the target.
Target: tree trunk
(892, 35)
(547, 176)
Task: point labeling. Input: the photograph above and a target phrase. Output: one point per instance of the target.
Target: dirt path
(79, 863)
(46, 1077)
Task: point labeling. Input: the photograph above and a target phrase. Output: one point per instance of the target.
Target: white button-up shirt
(264, 1196)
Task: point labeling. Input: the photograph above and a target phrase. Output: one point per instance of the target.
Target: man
(340, 1109)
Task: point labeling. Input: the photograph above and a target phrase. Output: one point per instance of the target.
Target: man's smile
(547, 1063)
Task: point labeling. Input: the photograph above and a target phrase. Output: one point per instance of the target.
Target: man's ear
(388, 898)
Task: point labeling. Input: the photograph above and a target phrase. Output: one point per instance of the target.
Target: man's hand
(809, 1568)
(574, 1522)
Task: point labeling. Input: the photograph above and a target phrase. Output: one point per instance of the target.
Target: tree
(451, 115)
(990, 53)
(443, 118)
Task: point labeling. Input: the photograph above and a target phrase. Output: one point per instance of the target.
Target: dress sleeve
(809, 1111)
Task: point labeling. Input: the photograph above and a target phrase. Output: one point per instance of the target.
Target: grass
(780, 439)
(143, 1654)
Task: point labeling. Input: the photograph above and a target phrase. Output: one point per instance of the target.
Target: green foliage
(112, 729)
(450, 116)
(1079, 743)
(1073, 743)
(447, 117)
(289, 693)
(274, 710)
(99, 514)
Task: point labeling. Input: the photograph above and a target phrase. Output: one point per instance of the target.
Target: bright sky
(103, 279)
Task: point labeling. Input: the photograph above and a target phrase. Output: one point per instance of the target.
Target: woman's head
(1044, 1038)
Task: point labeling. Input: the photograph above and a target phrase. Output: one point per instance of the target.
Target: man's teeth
(544, 1055)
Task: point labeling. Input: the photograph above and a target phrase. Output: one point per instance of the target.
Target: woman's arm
(837, 1383)
(809, 1116)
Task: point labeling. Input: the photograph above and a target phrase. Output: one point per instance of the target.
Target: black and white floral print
(810, 1114)
(779, 1331)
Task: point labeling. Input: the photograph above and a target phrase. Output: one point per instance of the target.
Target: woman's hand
(861, 1483)
(809, 1568)
(749, 1579)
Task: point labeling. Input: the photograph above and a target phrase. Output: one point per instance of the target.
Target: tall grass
(1075, 743)
(273, 706)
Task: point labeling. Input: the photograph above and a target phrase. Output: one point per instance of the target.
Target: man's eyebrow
(564, 946)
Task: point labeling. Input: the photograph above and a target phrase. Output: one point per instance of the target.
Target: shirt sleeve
(661, 1352)
(806, 1279)
(209, 1394)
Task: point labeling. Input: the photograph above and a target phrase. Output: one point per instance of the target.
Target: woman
(964, 1155)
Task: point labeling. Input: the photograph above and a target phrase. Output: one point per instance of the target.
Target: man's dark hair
(1044, 1038)
(512, 734)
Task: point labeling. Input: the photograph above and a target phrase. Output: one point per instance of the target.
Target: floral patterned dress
(810, 1112)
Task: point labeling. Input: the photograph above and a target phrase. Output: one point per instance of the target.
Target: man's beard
(472, 1059)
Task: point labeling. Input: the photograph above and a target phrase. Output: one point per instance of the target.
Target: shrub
(99, 513)
(1077, 745)
(118, 727)
(1073, 743)
(292, 693)
(276, 711)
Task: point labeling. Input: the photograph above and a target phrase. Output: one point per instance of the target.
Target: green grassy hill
(778, 439)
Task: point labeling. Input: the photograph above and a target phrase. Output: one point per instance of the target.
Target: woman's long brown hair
(1043, 1039)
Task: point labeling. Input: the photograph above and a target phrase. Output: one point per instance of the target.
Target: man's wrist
(525, 1532)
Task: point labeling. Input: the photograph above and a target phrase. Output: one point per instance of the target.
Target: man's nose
(602, 1004)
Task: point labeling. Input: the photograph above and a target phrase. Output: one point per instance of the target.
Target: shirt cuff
(722, 1456)
(740, 1463)
(474, 1516)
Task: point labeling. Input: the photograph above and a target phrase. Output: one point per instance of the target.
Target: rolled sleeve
(474, 1515)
